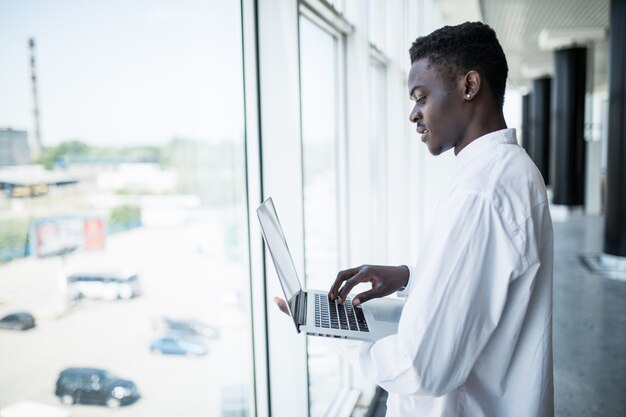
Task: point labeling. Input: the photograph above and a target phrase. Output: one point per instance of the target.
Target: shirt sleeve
(457, 296)
(403, 293)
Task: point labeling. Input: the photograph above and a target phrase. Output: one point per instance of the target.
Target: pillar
(615, 205)
(540, 107)
(526, 124)
(567, 174)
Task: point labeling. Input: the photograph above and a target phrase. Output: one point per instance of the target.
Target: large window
(124, 235)
(319, 71)
(378, 162)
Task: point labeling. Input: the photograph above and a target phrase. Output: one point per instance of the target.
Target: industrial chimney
(35, 139)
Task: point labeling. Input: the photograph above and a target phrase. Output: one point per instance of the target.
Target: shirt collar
(481, 144)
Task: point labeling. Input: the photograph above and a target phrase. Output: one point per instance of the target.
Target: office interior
(142, 137)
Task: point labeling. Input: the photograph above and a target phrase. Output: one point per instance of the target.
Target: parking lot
(190, 270)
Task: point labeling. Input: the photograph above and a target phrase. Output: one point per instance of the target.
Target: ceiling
(520, 23)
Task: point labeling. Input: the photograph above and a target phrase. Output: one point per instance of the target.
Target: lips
(421, 130)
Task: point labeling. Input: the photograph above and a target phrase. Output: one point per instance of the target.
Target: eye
(421, 100)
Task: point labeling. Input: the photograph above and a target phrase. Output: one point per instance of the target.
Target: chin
(439, 150)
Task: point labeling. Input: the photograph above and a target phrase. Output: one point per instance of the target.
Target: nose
(415, 114)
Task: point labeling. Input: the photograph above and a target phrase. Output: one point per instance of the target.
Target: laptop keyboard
(332, 315)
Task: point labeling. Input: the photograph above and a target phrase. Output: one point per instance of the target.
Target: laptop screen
(275, 240)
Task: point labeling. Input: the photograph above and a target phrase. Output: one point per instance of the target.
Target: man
(475, 336)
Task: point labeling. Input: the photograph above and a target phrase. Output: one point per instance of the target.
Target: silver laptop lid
(277, 245)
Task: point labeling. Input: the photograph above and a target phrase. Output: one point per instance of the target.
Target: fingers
(342, 276)
(362, 276)
(384, 280)
(282, 305)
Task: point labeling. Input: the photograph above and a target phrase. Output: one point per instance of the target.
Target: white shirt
(475, 335)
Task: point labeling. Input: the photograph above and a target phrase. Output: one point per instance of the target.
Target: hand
(385, 280)
(282, 305)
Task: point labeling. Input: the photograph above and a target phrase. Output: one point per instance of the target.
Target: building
(14, 148)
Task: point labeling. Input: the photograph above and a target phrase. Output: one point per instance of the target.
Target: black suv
(94, 386)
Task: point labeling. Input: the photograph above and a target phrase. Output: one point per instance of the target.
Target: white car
(103, 285)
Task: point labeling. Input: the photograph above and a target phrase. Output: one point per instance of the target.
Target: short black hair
(465, 47)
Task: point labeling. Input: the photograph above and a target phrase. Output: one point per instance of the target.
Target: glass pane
(125, 237)
(318, 55)
(378, 158)
(376, 14)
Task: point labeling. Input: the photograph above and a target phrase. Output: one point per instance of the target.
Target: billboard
(51, 236)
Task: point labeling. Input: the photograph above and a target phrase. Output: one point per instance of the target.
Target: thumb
(363, 297)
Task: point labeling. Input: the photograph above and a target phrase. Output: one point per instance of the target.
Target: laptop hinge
(301, 303)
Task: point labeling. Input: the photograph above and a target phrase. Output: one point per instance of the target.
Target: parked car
(172, 345)
(94, 386)
(107, 285)
(19, 320)
(186, 328)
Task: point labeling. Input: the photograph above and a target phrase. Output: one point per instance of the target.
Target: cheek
(432, 116)
(438, 113)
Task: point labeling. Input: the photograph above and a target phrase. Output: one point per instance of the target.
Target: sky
(123, 73)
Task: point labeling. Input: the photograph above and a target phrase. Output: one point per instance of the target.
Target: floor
(589, 327)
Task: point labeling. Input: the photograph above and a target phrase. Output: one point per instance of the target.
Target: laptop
(312, 311)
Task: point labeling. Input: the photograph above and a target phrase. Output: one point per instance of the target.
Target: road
(189, 270)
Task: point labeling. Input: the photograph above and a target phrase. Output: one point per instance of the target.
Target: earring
(467, 96)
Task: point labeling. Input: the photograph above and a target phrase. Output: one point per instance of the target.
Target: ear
(471, 85)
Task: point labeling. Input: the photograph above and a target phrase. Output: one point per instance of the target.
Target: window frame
(271, 33)
(345, 400)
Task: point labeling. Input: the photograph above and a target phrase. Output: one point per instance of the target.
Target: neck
(479, 126)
